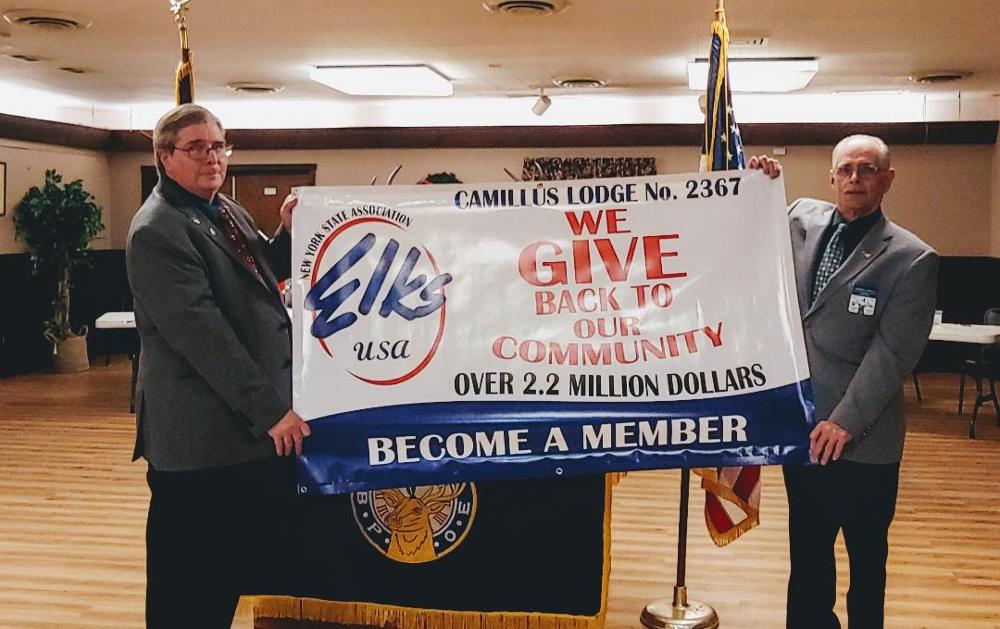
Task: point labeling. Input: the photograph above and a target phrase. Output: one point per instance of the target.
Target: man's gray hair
(180, 117)
(884, 158)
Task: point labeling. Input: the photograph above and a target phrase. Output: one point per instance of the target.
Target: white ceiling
(497, 62)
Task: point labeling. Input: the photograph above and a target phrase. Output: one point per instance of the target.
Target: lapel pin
(866, 254)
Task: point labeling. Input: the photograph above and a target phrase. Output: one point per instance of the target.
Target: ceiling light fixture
(401, 80)
(759, 75)
(542, 104)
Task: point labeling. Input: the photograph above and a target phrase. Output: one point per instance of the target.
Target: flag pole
(679, 612)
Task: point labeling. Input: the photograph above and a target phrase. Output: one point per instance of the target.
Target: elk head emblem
(413, 518)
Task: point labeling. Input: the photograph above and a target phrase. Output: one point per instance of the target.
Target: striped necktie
(833, 256)
(238, 241)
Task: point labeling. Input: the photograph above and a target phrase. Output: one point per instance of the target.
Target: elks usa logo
(416, 524)
(369, 273)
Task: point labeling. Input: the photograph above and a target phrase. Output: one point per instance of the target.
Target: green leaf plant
(57, 223)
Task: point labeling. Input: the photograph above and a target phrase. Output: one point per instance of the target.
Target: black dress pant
(212, 535)
(859, 499)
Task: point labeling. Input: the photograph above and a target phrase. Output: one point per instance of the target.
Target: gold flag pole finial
(179, 9)
(184, 78)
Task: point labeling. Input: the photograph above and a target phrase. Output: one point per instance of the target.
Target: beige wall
(26, 166)
(948, 195)
(945, 194)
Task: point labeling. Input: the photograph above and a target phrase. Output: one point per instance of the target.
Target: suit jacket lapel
(806, 258)
(868, 250)
(215, 234)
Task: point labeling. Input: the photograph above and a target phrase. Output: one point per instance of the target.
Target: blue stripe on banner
(352, 451)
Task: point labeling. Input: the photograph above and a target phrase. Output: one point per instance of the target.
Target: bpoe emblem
(416, 524)
(378, 300)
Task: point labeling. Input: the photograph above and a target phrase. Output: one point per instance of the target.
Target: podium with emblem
(497, 554)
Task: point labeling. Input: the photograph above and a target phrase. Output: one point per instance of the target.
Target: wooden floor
(72, 511)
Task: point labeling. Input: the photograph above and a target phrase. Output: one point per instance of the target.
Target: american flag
(184, 77)
(722, 149)
(722, 146)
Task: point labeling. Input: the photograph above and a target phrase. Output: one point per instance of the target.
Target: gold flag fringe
(723, 539)
(710, 482)
(386, 616)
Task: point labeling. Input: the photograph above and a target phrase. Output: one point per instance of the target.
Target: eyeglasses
(199, 150)
(865, 171)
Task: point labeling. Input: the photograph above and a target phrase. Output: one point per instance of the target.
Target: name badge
(862, 301)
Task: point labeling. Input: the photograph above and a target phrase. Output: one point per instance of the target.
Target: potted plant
(57, 224)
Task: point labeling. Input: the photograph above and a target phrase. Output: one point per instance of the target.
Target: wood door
(260, 188)
(261, 192)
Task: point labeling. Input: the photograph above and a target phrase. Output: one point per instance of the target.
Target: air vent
(23, 57)
(525, 7)
(46, 20)
(751, 43)
(933, 78)
(579, 84)
(254, 87)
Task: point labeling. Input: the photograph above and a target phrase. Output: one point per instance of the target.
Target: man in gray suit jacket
(214, 385)
(867, 291)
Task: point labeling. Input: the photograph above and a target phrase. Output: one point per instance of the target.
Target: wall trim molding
(774, 134)
(55, 133)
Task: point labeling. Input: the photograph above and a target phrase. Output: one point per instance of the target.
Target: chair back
(989, 355)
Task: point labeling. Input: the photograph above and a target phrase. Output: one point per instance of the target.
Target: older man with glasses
(213, 399)
(867, 291)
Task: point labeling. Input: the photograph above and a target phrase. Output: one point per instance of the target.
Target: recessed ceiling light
(525, 7)
(254, 87)
(403, 80)
(46, 20)
(579, 83)
(758, 75)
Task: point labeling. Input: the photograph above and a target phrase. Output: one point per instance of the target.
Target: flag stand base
(678, 613)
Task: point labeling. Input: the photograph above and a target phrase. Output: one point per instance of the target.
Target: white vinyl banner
(473, 331)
